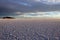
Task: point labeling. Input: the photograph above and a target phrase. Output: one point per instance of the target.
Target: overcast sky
(21, 7)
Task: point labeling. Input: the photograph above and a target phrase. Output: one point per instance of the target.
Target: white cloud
(51, 1)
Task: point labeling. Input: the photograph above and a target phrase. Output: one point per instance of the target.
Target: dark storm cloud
(8, 7)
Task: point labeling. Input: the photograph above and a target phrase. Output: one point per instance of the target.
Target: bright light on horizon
(42, 14)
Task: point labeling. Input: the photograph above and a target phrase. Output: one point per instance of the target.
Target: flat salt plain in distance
(30, 29)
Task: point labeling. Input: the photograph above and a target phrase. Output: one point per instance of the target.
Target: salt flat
(23, 29)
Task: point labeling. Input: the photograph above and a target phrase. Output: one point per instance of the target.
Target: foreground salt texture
(29, 30)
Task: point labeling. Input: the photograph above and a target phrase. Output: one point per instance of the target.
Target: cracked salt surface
(29, 30)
